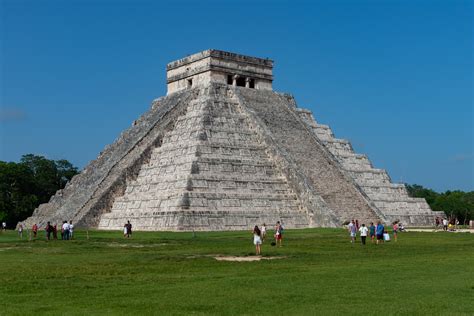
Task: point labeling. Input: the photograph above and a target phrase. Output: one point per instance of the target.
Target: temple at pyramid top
(221, 67)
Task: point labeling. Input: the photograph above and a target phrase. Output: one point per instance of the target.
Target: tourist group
(51, 231)
(378, 234)
(260, 233)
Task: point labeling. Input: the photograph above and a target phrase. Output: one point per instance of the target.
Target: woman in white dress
(257, 239)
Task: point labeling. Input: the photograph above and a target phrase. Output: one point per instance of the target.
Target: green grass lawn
(320, 273)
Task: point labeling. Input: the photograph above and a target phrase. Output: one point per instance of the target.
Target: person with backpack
(257, 240)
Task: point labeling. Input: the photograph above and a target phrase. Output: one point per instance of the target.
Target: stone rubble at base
(222, 151)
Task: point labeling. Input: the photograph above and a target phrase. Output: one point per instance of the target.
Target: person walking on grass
(257, 240)
(20, 231)
(395, 231)
(48, 229)
(372, 232)
(125, 228)
(65, 230)
(278, 233)
(379, 232)
(4, 226)
(129, 229)
(71, 229)
(263, 231)
(352, 228)
(34, 229)
(363, 233)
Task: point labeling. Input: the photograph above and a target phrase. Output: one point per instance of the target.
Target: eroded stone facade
(217, 155)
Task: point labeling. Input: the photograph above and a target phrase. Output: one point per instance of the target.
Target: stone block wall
(211, 172)
(319, 173)
(389, 198)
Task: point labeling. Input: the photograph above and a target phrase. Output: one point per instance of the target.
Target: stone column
(247, 82)
(234, 82)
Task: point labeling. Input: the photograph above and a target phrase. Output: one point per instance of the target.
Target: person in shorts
(372, 232)
(257, 240)
(352, 231)
(278, 233)
(34, 229)
(379, 232)
(395, 231)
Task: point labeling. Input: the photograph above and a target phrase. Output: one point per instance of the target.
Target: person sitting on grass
(257, 240)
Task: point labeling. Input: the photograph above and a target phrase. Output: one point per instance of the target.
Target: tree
(455, 204)
(32, 181)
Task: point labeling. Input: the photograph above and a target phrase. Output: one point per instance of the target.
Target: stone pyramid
(222, 151)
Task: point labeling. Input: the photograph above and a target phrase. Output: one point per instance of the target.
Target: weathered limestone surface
(211, 172)
(90, 193)
(223, 152)
(320, 173)
(390, 198)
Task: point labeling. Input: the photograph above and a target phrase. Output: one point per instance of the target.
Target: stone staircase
(211, 172)
(319, 169)
(390, 198)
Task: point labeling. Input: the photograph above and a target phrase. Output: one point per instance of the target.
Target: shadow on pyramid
(222, 151)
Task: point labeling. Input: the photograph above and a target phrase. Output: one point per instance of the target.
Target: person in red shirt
(35, 230)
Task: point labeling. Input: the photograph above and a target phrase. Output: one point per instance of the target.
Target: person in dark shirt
(372, 232)
(379, 232)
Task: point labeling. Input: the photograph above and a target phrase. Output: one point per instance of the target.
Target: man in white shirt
(445, 224)
(66, 230)
(363, 233)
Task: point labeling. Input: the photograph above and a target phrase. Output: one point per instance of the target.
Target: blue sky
(393, 77)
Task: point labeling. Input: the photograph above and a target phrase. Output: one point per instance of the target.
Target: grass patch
(175, 274)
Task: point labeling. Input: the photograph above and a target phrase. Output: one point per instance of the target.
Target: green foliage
(455, 204)
(318, 272)
(32, 181)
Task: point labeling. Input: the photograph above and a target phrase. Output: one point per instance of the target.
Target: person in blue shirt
(372, 232)
(379, 232)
